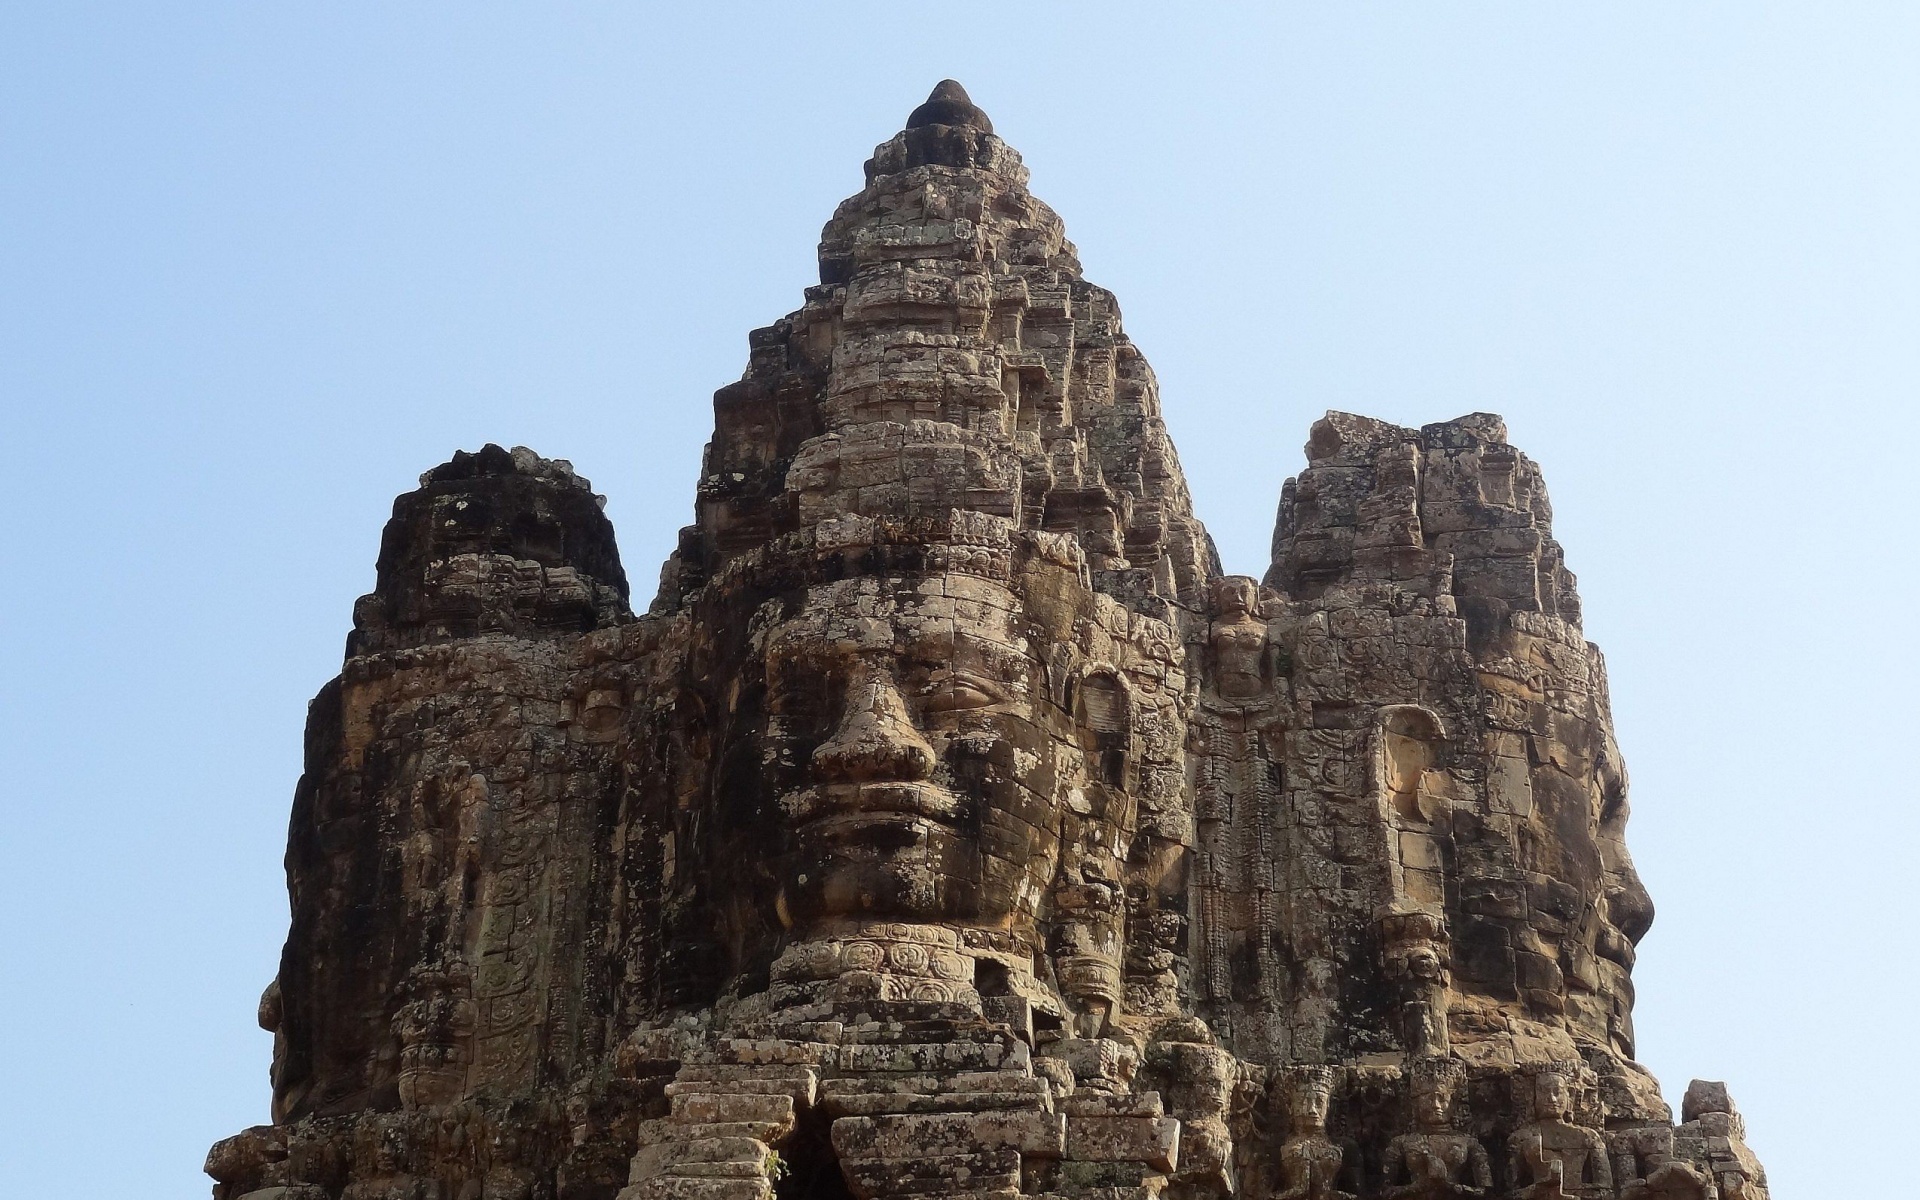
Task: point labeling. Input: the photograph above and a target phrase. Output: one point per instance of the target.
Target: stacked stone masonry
(950, 825)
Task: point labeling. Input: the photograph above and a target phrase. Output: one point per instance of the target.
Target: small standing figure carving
(508, 1176)
(1553, 1158)
(1243, 667)
(435, 1031)
(1436, 1161)
(1237, 796)
(1310, 1162)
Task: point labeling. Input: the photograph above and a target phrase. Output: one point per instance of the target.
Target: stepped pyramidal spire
(953, 359)
(950, 824)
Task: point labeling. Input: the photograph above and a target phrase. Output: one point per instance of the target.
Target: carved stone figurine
(384, 1150)
(1198, 1081)
(1414, 953)
(1553, 1158)
(508, 1177)
(1242, 656)
(1238, 736)
(1310, 1162)
(1436, 1161)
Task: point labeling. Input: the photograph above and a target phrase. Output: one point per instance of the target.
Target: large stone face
(950, 824)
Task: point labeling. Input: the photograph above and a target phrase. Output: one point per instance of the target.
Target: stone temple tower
(949, 825)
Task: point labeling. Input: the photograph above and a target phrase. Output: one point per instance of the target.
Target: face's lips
(863, 802)
(1613, 945)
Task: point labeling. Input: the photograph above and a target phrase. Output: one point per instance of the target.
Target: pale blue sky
(261, 264)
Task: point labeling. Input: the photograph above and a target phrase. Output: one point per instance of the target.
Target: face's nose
(876, 741)
(1629, 907)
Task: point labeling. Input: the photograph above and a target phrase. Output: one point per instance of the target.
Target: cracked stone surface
(950, 824)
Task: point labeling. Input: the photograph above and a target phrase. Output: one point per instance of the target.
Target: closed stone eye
(958, 693)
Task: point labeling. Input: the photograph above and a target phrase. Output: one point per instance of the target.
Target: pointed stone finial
(948, 105)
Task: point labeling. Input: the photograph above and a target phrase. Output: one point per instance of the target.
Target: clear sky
(261, 264)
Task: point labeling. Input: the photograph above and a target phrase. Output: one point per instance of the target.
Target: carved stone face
(1584, 899)
(1235, 596)
(1552, 1099)
(1624, 911)
(1432, 1102)
(911, 749)
(1309, 1096)
(1591, 856)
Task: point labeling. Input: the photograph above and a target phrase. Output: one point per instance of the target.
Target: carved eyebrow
(796, 640)
(995, 654)
(933, 635)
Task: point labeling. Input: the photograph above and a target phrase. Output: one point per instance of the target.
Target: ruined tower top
(948, 104)
(951, 825)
